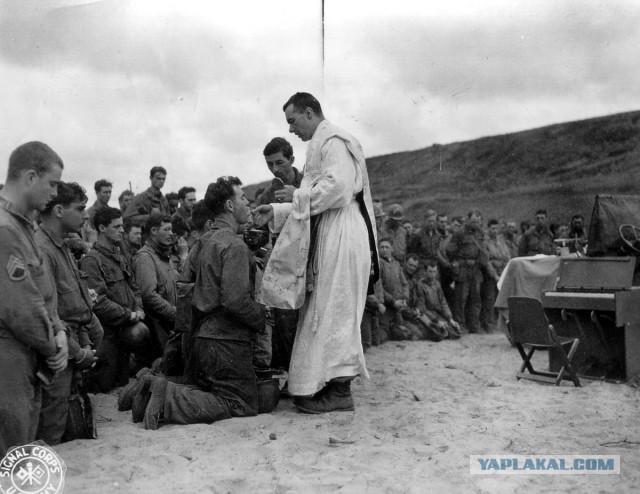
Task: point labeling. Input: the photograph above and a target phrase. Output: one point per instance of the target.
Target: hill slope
(559, 167)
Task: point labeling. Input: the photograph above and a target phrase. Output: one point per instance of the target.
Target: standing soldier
(278, 154)
(64, 215)
(469, 260)
(103, 190)
(149, 201)
(33, 343)
(537, 239)
(499, 256)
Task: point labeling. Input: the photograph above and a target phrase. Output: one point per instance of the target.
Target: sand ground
(426, 408)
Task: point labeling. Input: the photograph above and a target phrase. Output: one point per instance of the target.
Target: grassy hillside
(559, 167)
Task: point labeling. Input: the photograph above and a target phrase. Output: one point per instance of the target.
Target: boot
(335, 397)
(155, 409)
(125, 399)
(141, 399)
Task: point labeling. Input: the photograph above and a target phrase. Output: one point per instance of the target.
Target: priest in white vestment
(329, 232)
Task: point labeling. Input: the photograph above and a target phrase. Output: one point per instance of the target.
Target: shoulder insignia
(16, 268)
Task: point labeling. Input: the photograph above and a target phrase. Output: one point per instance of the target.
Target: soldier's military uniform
(285, 321)
(142, 204)
(110, 276)
(156, 277)
(83, 328)
(536, 241)
(28, 324)
(465, 250)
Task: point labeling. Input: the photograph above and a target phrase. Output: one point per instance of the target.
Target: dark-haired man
(64, 215)
(469, 260)
(227, 319)
(124, 199)
(118, 304)
(156, 277)
(278, 153)
(577, 233)
(31, 334)
(186, 201)
(537, 239)
(334, 198)
(499, 255)
(103, 190)
(149, 201)
(131, 240)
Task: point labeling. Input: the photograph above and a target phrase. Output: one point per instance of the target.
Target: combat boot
(335, 397)
(141, 399)
(155, 408)
(128, 393)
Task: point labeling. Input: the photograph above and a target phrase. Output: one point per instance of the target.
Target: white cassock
(327, 343)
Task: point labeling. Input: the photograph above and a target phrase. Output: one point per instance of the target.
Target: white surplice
(327, 343)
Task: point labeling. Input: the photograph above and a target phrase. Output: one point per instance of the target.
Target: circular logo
(32, 469)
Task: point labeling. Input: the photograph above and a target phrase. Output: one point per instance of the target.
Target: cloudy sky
(117, 86)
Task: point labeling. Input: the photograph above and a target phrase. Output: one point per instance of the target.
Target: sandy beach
(425, 410)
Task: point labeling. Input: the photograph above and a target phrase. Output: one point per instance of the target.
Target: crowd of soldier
(125, 278)
(444, 271)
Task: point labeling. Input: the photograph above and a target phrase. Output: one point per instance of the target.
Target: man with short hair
(428, 243)
(499, 255)
(118, 304)
(187, 199)
(411, 231)
(396, 293)
(278, 154)
(174, 202)
(124, 199)
(202, 222)
(227, 318)
(426, 295)
(103, 190)
(334, 197)
(131, 240)
(468, 261)
(537, 239)
(64, 215)
(149, 201)
(577, 233)
(156, 276)
(511, 238)
(33, 343)
(442, 222)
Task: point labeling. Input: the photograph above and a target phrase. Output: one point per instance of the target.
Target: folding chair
(529, 327)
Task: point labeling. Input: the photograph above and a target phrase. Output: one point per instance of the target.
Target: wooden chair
(529, 327)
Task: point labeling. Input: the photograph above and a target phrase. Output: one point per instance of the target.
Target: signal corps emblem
(32, 469)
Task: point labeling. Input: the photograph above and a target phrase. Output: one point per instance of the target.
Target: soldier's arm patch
(16, 268)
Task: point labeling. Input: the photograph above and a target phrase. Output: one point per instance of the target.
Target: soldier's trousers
(55, 407)
(466, 310)
(20, 395)
(488, 293)
(225, 384)
(285, 324)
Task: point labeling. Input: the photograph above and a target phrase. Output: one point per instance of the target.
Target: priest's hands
(262, 215)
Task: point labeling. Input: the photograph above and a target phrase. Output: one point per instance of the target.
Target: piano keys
(595, 301)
